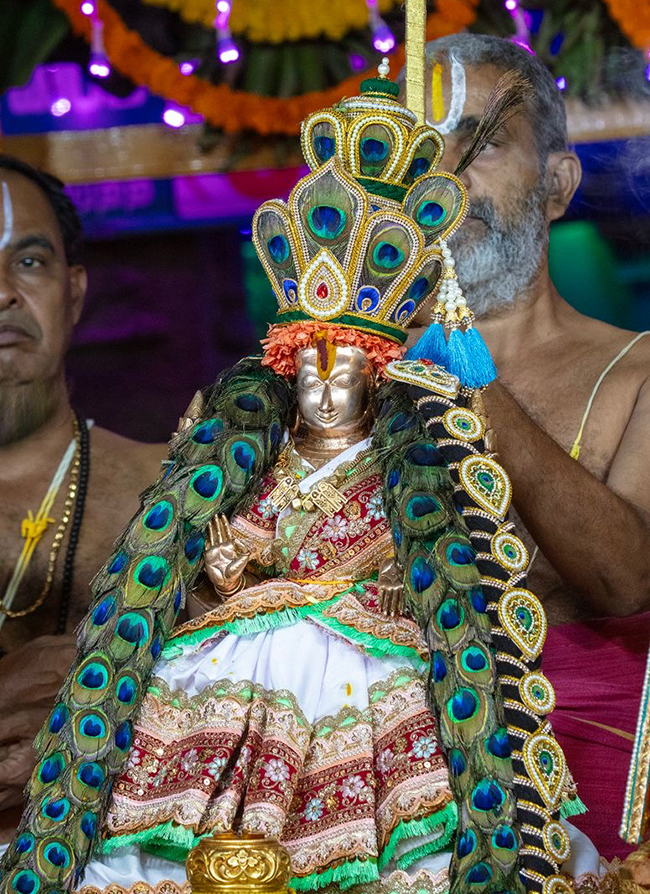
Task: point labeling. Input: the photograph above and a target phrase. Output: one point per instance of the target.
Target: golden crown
(337, 251)
(375, 138)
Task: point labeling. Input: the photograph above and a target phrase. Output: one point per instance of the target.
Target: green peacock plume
(213, 467)
(464, 582)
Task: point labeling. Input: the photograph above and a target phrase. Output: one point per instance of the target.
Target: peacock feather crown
(338, 253)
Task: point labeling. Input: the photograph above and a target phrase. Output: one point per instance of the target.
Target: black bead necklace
(75, 529)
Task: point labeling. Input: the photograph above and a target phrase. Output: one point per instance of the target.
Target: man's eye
(30, 262)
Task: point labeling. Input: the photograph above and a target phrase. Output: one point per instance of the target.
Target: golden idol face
(335, 405)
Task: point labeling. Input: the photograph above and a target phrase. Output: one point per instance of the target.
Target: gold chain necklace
(58, 537)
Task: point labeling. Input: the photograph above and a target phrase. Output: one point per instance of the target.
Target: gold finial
(234, 864)
(416, 18)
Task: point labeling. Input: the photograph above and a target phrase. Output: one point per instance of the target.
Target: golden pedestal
(234, 864)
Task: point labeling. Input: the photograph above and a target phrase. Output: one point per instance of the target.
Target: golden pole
(416, 18)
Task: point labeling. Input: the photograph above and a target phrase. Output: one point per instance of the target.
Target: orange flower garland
(633, 18)
(235, 110)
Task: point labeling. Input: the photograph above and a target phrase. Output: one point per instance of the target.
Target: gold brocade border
(269, 596)
(636, 812)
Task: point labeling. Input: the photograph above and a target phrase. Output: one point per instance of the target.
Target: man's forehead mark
(7, 216)
(458, 97)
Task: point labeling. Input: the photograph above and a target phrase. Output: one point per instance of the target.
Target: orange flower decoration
(234, 110)
(283, 343)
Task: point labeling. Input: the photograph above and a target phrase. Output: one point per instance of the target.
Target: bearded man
(61, 509)
(570, 410)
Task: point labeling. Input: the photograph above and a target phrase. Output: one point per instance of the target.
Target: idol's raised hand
(391, 589)
(225, 560)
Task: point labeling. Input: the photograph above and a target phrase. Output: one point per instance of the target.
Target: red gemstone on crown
(322, 291)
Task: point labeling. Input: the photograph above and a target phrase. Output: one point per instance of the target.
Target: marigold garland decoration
(235, 110)
(633, 18)
(270, 21)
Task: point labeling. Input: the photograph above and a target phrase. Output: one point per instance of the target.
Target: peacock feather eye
(367, 299)
(89, 824)
(194, 547)
(133, 629)
(159, 517)
(498, 744)
(55, 809)
(25, 882)
(487, 795)
(206, 432)
(24, 843)
(373, 150)
(207, 482)
(278, 247)
(450, 615)
(438, 667)
(51, 768)
(479, 874)
(404, 310)
(466, 844)
(324, 147)
(326, 221)
(504, 838)
(474, 659)
(58, 717)
(387, 256)
(418, 167)
(463, 705)
(104, 611)
(457, 762)
(124, 736)
(126, 690)
(91, 774)
(152, 572)
(118, 562)
(418, 289)
(430, 214)
(478, 600)
(422, 574)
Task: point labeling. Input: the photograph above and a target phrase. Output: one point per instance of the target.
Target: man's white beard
(495, 271)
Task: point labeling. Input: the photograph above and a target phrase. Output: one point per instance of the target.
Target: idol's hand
(391, 589)
(192, 414)
(224, 559)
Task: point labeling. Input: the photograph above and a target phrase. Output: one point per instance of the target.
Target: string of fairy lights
(227, 51)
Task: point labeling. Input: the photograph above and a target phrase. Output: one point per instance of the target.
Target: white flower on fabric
(385, 761)
(313, 809)
(244, 757)
(276, 770)
(357, 527)
(336, 528)
(375, 507)
(266, 508)
(424, 747)
(189, 762)
(307, 558)
(352, 787)
(216, 765)
(134, 759)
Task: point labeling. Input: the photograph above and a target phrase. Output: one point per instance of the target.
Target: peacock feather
(464, 582)
(212, 467)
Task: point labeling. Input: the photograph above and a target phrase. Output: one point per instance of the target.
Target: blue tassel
(430, 346)
(481, 366)
(458, 362)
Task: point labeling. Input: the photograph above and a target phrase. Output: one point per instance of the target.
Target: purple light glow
(88, 8)
(357, 62)
(227, 50)
(223, 6)
(99, 66)
(561, 83)
(189, 67)
(524, 46)
(383, 39)
(60, 107)
(173, 116)
(647, 72)
(511, 5)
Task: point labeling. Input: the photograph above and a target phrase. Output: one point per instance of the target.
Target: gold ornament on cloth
(416, 26)
(232, 864)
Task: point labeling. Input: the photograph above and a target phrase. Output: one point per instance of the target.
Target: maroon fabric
(597, 670)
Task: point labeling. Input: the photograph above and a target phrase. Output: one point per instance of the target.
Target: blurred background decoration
(171, 120)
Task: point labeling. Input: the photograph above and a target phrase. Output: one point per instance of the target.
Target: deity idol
(361, 678)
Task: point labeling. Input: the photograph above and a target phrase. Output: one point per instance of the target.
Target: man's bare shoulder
(605, 342)
(134, 459)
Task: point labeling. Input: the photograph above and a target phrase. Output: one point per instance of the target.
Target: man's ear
(78, 286)
(564, 173)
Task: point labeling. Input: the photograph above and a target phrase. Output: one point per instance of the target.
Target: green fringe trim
(286, 617)
(168, 840)
(352, 872)
(447, 818)
(572, 807)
